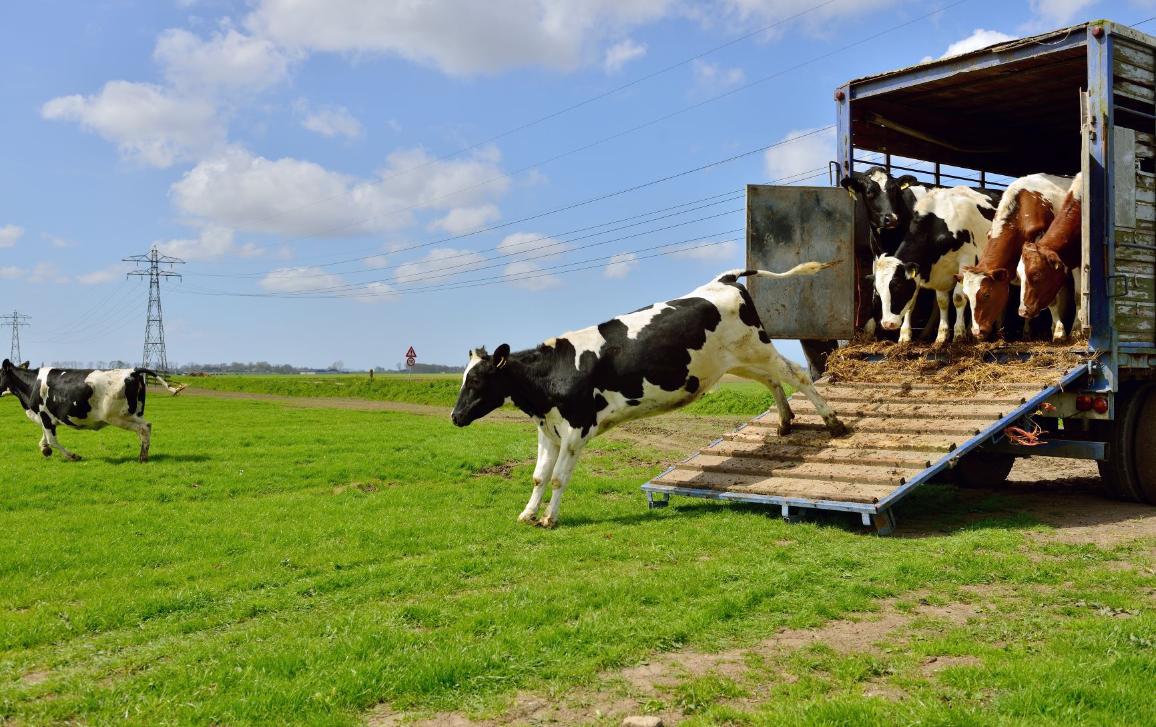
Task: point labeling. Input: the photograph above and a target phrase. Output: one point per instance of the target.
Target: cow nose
(890, 325)
(890, 221)
(1024, 312)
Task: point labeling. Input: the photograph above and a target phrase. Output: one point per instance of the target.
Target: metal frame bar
(990, 434)
(867, 88)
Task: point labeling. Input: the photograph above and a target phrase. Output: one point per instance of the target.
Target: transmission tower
(16, 321)
(151, 266)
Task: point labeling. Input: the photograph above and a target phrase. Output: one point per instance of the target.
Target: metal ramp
(901, 436)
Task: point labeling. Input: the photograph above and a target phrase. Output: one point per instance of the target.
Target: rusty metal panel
(791, 225)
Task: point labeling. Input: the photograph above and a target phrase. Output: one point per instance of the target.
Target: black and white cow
(948, 231)
(889, 203)
(653, 360)
(82, 399)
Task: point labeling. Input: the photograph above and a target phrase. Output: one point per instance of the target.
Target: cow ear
(959, 277)
(1055, 261)
(906, 181)
(912, 269)
(502, 355)
(852, 184)
(999, 275)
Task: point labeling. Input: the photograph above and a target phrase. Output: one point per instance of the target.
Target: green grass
(279, 564)
(746, 398)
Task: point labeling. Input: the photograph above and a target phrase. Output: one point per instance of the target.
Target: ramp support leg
(656, 504)
(792, 516)
(883, 523)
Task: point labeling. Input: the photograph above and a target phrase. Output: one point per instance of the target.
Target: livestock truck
(1079, 99)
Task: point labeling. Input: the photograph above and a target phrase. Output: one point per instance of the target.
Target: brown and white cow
(1025, 211)
(654, 360)
(81, 399)
(1046, 265)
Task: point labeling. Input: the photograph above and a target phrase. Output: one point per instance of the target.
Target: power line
(154, 356)
(15, 321)
(633, 129)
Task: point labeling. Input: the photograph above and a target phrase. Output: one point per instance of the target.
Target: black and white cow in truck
(653, 360)
(81, 399)
(948, 231)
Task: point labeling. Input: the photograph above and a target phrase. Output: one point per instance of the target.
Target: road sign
(411, 357)
(411, 353)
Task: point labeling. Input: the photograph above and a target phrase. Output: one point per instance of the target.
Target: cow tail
(802, 269)
(174, 390)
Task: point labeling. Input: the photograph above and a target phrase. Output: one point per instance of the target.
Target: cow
(889, 203)
(1046, 265)
(1025, 211)
(656, 359)
(948, 230)
(82, 399)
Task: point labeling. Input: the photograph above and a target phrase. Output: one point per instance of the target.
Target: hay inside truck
(1079, 99)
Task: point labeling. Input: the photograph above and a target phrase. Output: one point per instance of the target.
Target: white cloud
(714, 78)
(1053, 13)
(228, 60)
(299, 280)
(728, 250)
(9, 234)
(462, 220)
(533, 243)
(376, 293)
(979, 38)
(148, 123)
(46, 273)
(57, 241)
(812, 152)
(438, 261)
(213, 243)
(817, 20)
(105, 275)
(621, 53)
(620, 265)
(331, 121)
(460, 38)
(10, 272)
(239, 190)
(520, 277)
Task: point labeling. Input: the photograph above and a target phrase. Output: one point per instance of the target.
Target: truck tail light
(1100, 405)
(1083, 402)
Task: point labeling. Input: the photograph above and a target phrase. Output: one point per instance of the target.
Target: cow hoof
(837, 428)
(72, 457)
(547, 522)
(144, 458)
(46, 451)
(527, 518)
(784, 429)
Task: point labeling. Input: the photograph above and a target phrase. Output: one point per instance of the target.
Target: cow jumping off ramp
(654, 360)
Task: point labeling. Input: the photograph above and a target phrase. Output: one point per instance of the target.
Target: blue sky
(266, 142)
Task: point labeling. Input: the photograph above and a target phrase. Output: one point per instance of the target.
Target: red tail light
(1083, 402)
(1100, 405)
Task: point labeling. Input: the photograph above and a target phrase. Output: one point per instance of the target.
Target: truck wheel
(1130, 474)
(983, 469)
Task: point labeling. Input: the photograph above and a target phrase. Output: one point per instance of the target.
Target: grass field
(731, 397)
(279, 565)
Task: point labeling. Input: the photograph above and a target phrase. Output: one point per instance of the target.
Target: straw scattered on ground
(963, 367)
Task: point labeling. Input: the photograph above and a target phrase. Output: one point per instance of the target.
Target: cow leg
(547, 456)
(1058, 308)
(771, 381)
(792, 373)
(571, 447)
(50, 437)
(145, 431)
(45, 448)
(960, 300)
(942, 298)
(905, 327)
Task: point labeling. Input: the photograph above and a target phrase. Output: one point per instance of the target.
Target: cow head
(987, 292)
(1042, 275)
(881, 194)
(896, 286)
(485, 385)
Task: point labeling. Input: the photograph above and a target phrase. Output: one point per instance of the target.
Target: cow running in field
(948, 231)
(1025, 212)
(1046, 265)
(82, 399)
(653, 360)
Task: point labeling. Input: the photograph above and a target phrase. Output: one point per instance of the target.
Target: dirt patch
(502, 469)
(34, 678)
(936, 664)
(629, 691)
